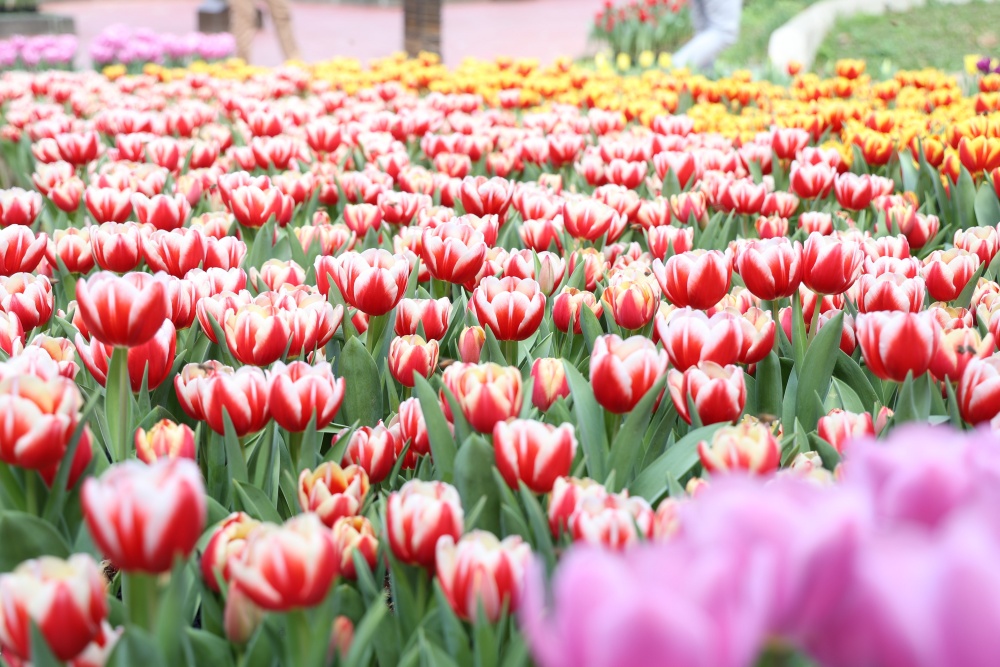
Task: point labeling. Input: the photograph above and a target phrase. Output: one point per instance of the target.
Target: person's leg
(243, 23)
(281, 15)
(722, 30)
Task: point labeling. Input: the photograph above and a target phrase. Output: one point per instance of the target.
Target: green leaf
(41, 654)
(964, 199)
(679, 459)
(235, 461)
(118, 405)
(253, 501)
(24, 536)
(817, 369)
(848, 370)
(964, 299)
(492, 351)
(590, 326)
(626, 446)
(209, 649)
(455, 638)
(474, 481)
(363, 398)
(443, 447)
(590, 423)
(539, 526)
(826, 452)
(769, 387)
(987, 206)
(913, 403)
(135, 647)
(799, 340)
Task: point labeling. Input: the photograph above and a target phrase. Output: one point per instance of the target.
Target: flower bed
(330, 364)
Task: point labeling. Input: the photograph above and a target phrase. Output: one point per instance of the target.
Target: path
(540, 29)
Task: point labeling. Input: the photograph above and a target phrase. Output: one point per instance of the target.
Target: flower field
(498, 365)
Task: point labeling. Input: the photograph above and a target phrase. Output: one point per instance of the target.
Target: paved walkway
(540, 29)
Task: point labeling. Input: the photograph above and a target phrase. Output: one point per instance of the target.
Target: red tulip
(286, 567)
(748, 447)
(164, 440)
(257, 333)
(717, 392)
(27, 296)
(632, 297)
(614, 521)
(511, 307)
(486, 393)
(549, 382)
(594, 266)
(957, 348)
(60, 350)
(690, 337)
(482, 196)
(812, 181)
(65, 599)
(66, 194)
(623, 371)
(143, 517)
(412, 356)
(20, 250)
(372, 281)
(108, 204)
(300, 392)
(982, 241)
(541, 234)
(771, 269)
(482, 573)
(568, 493)
(664, 239)
(206, 390)
(164, 212)
(253, 206)
(830, 265)
(122, 311)
(354, 534)
(589, 219)
(413, 427)
(979, 390)
(853, 192)
(534, 453)
(759, 329)
(227, 543)
(889, 291)
(433, 315)
(690, 206)
(72, 247)
(681, 163)
(37, 419)
(698, 278)
(772, 226)
(815, 221)
(276, 273)
(117, 247)
(743, 197)
(418, 515)
(153, 359)
(839, 427)
(332, 492)
(566, 308)
(470, 344)
(947, 272)
(175, 252)
(372, 449)
(894, 343)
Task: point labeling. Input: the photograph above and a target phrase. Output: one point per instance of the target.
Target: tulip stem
(31, 492)
(814, 324)
(121, 419)
(776, 317)
(510, 352)
(298, 639)
(139, 595)
(376, 326)
(295, 452)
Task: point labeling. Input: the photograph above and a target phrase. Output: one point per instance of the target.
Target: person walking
(716, 26)
(243, 20)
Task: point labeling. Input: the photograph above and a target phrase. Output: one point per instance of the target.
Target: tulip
(257, 333)
(690, 337)
(11, 332)
(718, 393)
(373, 281)
(889, 291)
(65, 599)
(19, 207)
(688, 207)
(20, 250)
(413, 427)
(143, 517)
(287, 567)
(227, 543)
(815, 221)
(481, 196)
(534, 453)
(589, 219)
(623, 371)
(894, 344)
(482, 572)
(108, 204)
(566, 308)
(512, 308)
(957, 348)
(123, 311)
(632, 297)
(59, 350)
(853, 192)
(982, 241)
(210, 390)
(37, 419)
(663, 239)
(812, 181)
(770, 269)
(549, 382)
(453, 252)
(162, 211)
(354, 534)
(839, 427)
(359, 218)
(979, 390)
(412, 356)
(241, 618)
(27, 296)
(594, 266)
(830, 265)
(615, 521)
(164, 440)
(470, 344)
(433, 315)
(253, 206)
(748, 446)
(152, 360)
(300, 392)
(372, 449)
(332, 492)
(72, 247)
(947, 272)
(979, 154)
(698, 278)
(743, 197)
(420, 514)
(117, 247)
(486, 393)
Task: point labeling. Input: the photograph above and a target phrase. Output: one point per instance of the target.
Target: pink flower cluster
(41, 52)
(895, 565)
(125, 45)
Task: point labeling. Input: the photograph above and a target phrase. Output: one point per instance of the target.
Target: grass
(937, 35)
(760, 18)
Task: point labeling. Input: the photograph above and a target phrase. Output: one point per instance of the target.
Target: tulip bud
(418, 515)
(771, 269)
(622, 371)
(979, 390)
(947, 272)
(373, 449)
(717, 392)
(470, 344)
(432, 315)
(165, 440)
(567, 306)
(27, 296)
(206, 391)
(749, 446)
(144, 517)
(512, 308)
(64, 598)
(534, 453)
(333, 492)
(354, 534)
(839, 427)
(285, 567)
(412, 356)
(227, 543)
(241, 617)
(373, 281)
(549, 376)
(482, 572)
(632, 297)
(453, 252)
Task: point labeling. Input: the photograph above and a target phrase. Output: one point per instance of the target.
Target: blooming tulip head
(534, 453)
(486, 393)
(894, 344)
(300, 392)
(227, 543)
(372, 281)
(748, 447)
(697, 278)
(164, 440)
(717, 392)
(123, 311)
(354, 534)
(333, 492)
(418, 515)
(512, 308)
(622, 371)
(480, 571)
